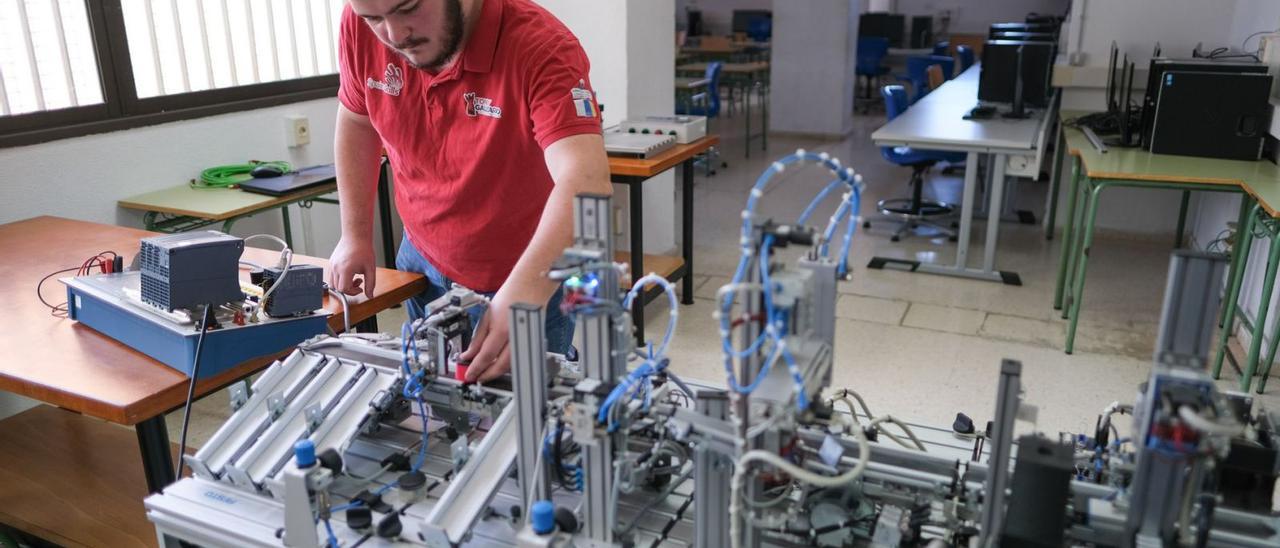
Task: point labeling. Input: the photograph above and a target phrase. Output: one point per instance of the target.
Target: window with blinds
(70, 67)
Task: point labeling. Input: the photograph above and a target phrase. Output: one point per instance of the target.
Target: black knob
(566, 520)
(331, 459)
(412, 481)
(359, 518)
(390, 526)
(963, 424)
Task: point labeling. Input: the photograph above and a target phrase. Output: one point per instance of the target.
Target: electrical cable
(55, 310)
(191, 389)
(1207, 425)
(229, 175)
(796, 472)
(346, 311)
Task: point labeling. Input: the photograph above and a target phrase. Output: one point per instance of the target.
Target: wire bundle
(233, 174)
(639, 381)
(775, 319)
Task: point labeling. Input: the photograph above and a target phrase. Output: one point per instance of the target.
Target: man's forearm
(356, 155)
(577, 165)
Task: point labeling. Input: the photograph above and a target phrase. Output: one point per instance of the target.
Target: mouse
(265, 171)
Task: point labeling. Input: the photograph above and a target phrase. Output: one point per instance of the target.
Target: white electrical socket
(297, 130)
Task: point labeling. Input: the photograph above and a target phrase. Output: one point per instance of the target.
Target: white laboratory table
(1015, 146)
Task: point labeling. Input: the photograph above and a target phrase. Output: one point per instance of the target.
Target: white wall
(631, 45)
(717, 15)
(812, 59)
(968, 16)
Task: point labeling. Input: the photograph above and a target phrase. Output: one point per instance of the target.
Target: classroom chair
(942, 48)
(935, 76)
(917, 73)
(870, 65)
(966, 57)
(706, 103)
(915, 211)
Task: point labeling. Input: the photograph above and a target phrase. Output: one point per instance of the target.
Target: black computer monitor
(742, 19)
(1024, 36)
(883, 25)
(921, 31)
(1001, 72)
(1020, 26)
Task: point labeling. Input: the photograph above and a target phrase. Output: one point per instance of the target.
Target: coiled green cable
(233, 174)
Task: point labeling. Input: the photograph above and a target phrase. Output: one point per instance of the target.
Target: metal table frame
(1252, 216)
(1079, 230)
(635, 188)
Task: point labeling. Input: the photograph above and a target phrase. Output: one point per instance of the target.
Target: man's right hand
(352, 267)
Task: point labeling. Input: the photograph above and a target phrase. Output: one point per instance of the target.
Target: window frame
(123, 109)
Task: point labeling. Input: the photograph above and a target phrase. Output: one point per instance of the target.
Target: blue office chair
(941, 48)
(917, 73)
(706, 103)
(915, 211)
(966, 57)
(870, 64)
(760, 29)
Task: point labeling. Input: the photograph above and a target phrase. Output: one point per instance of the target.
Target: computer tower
(1212, 114)
(1160, 65)
(998, 79)
(921, 31)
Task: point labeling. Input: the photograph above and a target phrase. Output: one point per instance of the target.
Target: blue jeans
(408, 259)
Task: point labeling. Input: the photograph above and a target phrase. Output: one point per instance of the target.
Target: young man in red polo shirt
(486, 113)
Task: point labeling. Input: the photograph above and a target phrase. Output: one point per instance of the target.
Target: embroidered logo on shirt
(582, 100)
(482, 106)
(392, 81)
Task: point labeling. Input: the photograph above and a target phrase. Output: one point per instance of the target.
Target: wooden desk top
(737, 68)
(216, 204)
(64, 363)
(1261, 179)
(648, 167)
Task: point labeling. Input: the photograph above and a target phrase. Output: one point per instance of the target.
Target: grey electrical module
(190, 269)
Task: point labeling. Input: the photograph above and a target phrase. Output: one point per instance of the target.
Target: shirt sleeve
(350, 87)
(561, 101)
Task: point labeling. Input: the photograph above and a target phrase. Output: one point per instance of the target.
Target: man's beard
(450, 42)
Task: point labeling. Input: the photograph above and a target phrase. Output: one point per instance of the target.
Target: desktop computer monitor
(1001, 72)
(1022, 27)
(1024, 36)
(883, 25)
(922, 31)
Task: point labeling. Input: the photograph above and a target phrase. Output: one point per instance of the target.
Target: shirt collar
(483, 43)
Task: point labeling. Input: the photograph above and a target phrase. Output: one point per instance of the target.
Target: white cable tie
(800, 152)
(746, 215)
(724, 333)
(779, 167)
(744, 241)
(848, 171)
(824, 156)
(756, 192)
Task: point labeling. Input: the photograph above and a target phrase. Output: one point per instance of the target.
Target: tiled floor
(919, 346)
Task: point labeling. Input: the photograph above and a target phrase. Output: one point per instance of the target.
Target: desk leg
(367, 325)
(1275, 333)
(1240, 262)
(1055, 180)
(993, 219)
(1068, 233)
(637, 257)
(384, 214)
(764, 116)
(686, 229)
(966, 209)
(157, 462)
(1093, 190)
(1182, 219)
(1260, 321)
(288, 226)
(747, 115)
(1238, 253)
(1076, 243)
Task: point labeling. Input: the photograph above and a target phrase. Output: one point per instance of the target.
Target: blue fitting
(304, 453)
(542, 517)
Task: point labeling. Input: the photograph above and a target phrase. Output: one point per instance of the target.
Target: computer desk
(1092, 172)
(937, 122)
(745, 77)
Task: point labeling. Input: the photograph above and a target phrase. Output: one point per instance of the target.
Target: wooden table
(61, 362)
(1093, 171)
(633, 172)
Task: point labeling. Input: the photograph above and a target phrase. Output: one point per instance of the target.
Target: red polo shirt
(466, 145)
